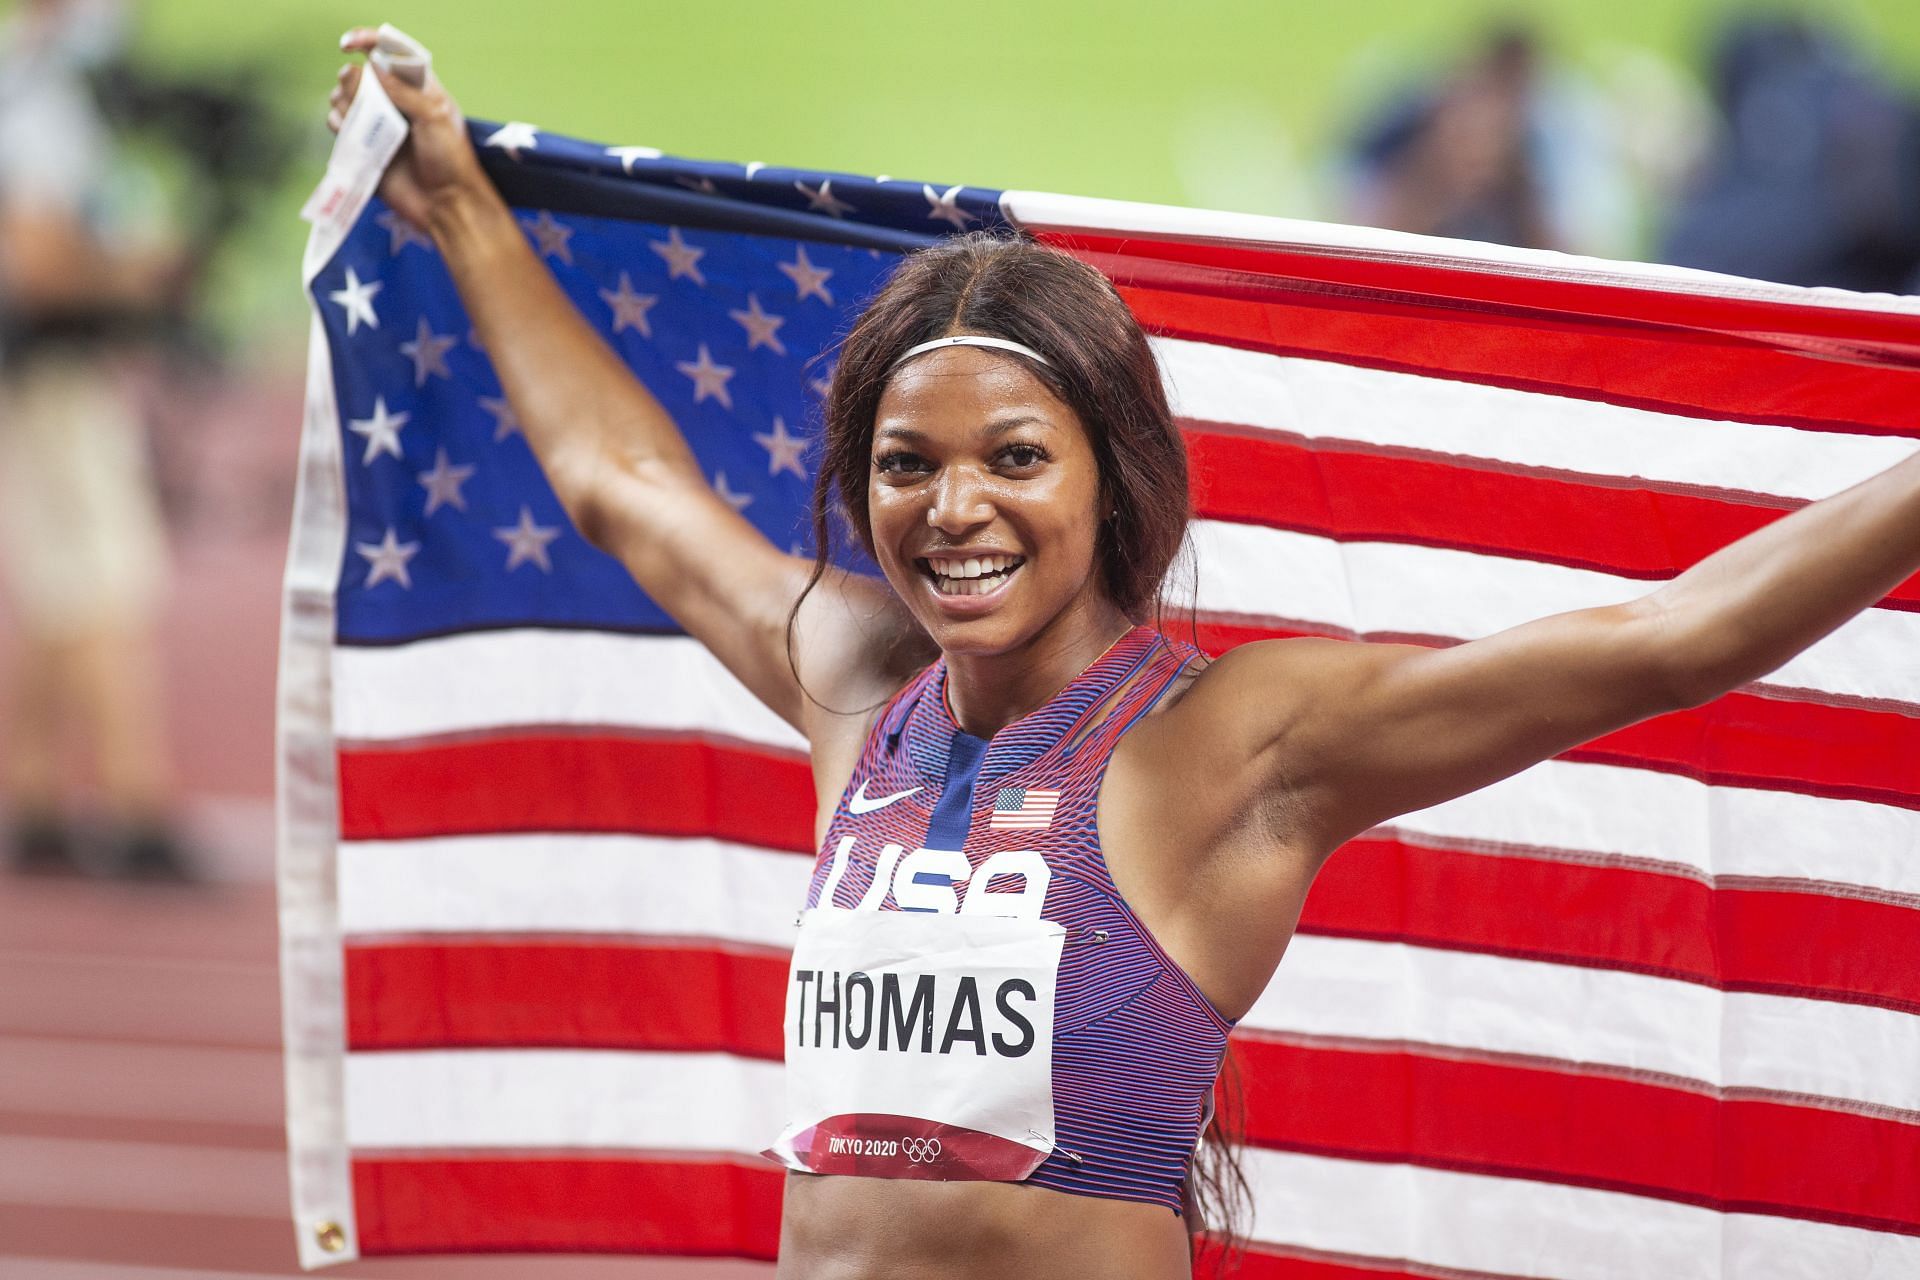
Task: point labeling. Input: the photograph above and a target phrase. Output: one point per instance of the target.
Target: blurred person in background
(1814, 175)
(1499, 150)
(83, 552)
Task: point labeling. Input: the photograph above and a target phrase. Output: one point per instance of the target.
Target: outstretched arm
(615, 458)
(1359, 733)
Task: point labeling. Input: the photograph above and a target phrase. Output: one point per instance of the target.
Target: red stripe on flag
(673, 785)
(1809, 747)
(1266, 1262)
(1778, 942)
(510, 1202)
(1706, 357)
(1733, 1155)
(622, 995)
(1355, 493)
(1742, 740)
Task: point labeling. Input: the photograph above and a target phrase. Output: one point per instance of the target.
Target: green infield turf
(1231, 105)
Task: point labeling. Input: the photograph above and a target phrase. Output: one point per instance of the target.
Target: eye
(896, 460)
(1030, 455)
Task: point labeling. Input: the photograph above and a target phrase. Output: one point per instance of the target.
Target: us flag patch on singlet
(1022, 809)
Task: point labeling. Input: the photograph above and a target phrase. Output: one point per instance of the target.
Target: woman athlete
(1040, 447)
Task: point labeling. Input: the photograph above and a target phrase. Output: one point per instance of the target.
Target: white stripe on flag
(1396, 588)
(481, 680)
(568, 883)
(1323, 400)
(1643, 814)
(1043, 211)
(1394, 992)
(1445, 1221)
(558, 1098)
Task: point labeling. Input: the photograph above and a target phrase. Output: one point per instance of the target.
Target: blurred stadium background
(140, 1106)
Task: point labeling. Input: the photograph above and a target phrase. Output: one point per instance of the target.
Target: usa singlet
(970, 997)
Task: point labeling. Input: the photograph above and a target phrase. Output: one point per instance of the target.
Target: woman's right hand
(437, 166)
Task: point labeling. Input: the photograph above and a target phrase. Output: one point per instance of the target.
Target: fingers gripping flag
(1649, 1008)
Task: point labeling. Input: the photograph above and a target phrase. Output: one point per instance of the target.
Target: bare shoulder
(1242, 702)
(1231, 752)
(1206, 761)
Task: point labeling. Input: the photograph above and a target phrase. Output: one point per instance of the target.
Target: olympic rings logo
(921, 1150)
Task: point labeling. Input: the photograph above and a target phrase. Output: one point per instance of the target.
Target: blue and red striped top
(1136, 1045)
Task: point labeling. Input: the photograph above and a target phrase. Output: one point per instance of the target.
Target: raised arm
(1359, 733)
(615, 459)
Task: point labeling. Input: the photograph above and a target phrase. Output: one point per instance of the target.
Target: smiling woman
(1058, 853)
(1085, 380)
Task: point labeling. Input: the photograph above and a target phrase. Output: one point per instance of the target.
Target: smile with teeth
(972, 577)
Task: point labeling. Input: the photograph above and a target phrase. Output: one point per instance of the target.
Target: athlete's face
(973, 456)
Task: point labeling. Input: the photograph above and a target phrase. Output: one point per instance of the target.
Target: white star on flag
(388, 559)
(428, 351)
(443, 483)
(946, 207)
(783, 450)
(823, 200)
(382, 431)
(682, 258)
(760, 326)
(627, 155)
(514, 135)
(737, 501)
(551, 236)
(807, 278)
(709, 379)
(630, 308)
(528, 542)
(401, 233)
(823, 387)
(505, 420)
(753, 167)
(357, 298)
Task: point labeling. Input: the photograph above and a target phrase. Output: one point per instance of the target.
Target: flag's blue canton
(723, 291)
(1010, 799)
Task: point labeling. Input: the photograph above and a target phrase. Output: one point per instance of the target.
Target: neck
(987, 692)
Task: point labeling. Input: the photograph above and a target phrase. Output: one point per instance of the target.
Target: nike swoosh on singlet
(858, 802)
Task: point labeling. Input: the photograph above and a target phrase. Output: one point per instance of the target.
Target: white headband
(970, 340)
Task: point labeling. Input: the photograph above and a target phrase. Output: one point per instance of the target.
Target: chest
(965, 837)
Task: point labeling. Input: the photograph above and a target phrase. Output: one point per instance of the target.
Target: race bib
(920, 1045)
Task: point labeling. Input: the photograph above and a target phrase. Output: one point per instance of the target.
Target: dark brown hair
(1004, 285)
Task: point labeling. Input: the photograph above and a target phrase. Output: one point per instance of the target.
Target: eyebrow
(998, 427)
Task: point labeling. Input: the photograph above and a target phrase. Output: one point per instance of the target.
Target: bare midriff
(849, 1228)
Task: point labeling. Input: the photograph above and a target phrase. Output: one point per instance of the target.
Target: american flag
(1651, 1008)
(1022, 809)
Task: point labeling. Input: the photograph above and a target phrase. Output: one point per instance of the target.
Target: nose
(960, 501)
